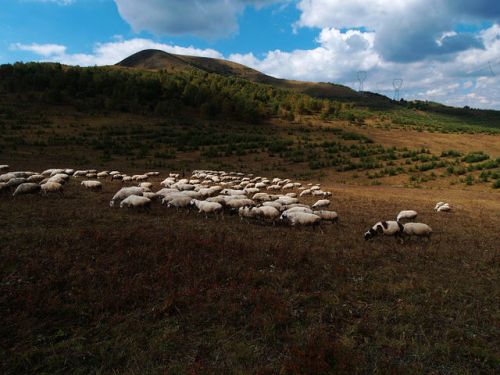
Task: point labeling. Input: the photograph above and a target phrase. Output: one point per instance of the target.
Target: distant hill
(161, 60)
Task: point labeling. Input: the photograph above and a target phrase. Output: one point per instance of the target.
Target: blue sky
(444, 50)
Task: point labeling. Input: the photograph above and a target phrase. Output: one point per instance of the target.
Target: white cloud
(40, 49)
(59, 2)
(209, 18)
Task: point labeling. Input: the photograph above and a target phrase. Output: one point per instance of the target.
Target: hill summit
(151, 59)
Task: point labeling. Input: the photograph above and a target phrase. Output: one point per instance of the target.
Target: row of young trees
(165, 93)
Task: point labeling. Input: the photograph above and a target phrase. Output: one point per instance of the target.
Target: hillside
(160, 60)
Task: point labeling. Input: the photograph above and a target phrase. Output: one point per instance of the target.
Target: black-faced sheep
(387, 228)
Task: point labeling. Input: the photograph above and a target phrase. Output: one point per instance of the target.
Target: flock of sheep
(253, 198)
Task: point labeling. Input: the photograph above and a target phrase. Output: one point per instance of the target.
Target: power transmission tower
(361, 79)
(397, 83)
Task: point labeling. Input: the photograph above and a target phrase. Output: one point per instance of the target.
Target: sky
(443, 50)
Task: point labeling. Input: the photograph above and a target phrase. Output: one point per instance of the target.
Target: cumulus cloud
(406, 30)
(208, 18)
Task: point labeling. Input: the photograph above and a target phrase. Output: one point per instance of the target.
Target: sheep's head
(370, 234)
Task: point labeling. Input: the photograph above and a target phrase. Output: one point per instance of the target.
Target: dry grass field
(90, 289)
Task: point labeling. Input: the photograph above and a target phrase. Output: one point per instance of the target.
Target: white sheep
(103, 174)
(417, 229)
(246, 212)
(261, 197)
(4, 167)
(237, 203)
(92, 185)
(27, 188)
(275, 205)
(124, 193)
(306, 210)
(35, 178)
(302, 218)
(179, 202)
(16, 181)
(322, 203)
(305, 192)
(267, 213)
(207, 207)
(387, 228)
(444, 208)
(438, 204)
(407, 214)
(135, 201)
(284, 200)
(330, 216)
(273, 187)
(288, 186)
(52, 187)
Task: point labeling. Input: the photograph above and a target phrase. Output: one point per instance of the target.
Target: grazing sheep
(52, 187)
(287, 200)
(274, 187)
(444, 208)
(16, 181)
(260, 185)
(291, 195)
(79, 173)
(276, 205)
(237, 203)
(438, 204)
(417, 229)
(179, 202)
(166, 191)
(147, 185)
(387, 228)
(135, 201)
(125, 193)
(103, 174)
(288, 186)
(27, 188)
(247, 213)
(305, 192)
(267, 213)
(302, 219)
(207, 207)
(315, 187)
(118, 177)
(92, 185)
(330, 216)
(249, 190)
(407, 214)
(306, 210)
(322, 203)
(261, 197)
(35, 178)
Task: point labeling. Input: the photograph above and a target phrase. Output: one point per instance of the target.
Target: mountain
(160, 60)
